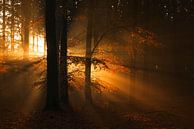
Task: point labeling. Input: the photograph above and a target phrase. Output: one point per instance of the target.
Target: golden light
(17, 37)
(37, 45)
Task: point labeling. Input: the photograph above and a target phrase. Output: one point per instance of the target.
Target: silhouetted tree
(12, 24)
(4, 26)
(88, 55)
(63, 56)
(52, 56)
(26, 25)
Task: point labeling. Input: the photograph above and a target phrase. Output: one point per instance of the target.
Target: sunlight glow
(37, 45)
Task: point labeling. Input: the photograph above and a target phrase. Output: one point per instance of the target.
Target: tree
(12, 24)
(4, 26)
(10, 27)
(26, 22)
(88, 54)
(52, 62)
(63, 57)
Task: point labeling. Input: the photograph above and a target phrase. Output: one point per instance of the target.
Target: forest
(96, 64)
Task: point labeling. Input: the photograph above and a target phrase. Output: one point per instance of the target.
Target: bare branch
(106, 33)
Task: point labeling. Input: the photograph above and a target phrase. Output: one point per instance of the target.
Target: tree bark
(26, 29)
(63, 59)
(52, 56)
(88, 54)
(4, 26)
(12, 25)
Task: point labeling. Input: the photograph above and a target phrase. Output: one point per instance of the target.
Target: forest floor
(22, 101)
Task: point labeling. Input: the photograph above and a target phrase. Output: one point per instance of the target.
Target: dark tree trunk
(4, 26)
(52, 56)
(12, 25)
(135, 19)
(88, 96)
(135, 22)
(26, 22)
(147, 18)
(45, 47)
(37, 44)
(63, 59)
(174, 38)
(33, 40)
(26, 41)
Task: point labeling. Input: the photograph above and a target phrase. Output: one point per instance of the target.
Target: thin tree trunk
(12, 25)
(52, 57)
(37, 43)
(26, 22)
(33, 39)
(45, 49)
(147, 14)
(88, 96)
(135, 20)
(133, 47)
(4, 26)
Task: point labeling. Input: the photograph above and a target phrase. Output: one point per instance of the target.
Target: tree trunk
(12, 25)
(37, 44)
(33, 40)
(147, 19)
(4, 26)
(133, 45)
(45, 46)
(26, 22)
(63, 59)
(88, 96)
(52, 56)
